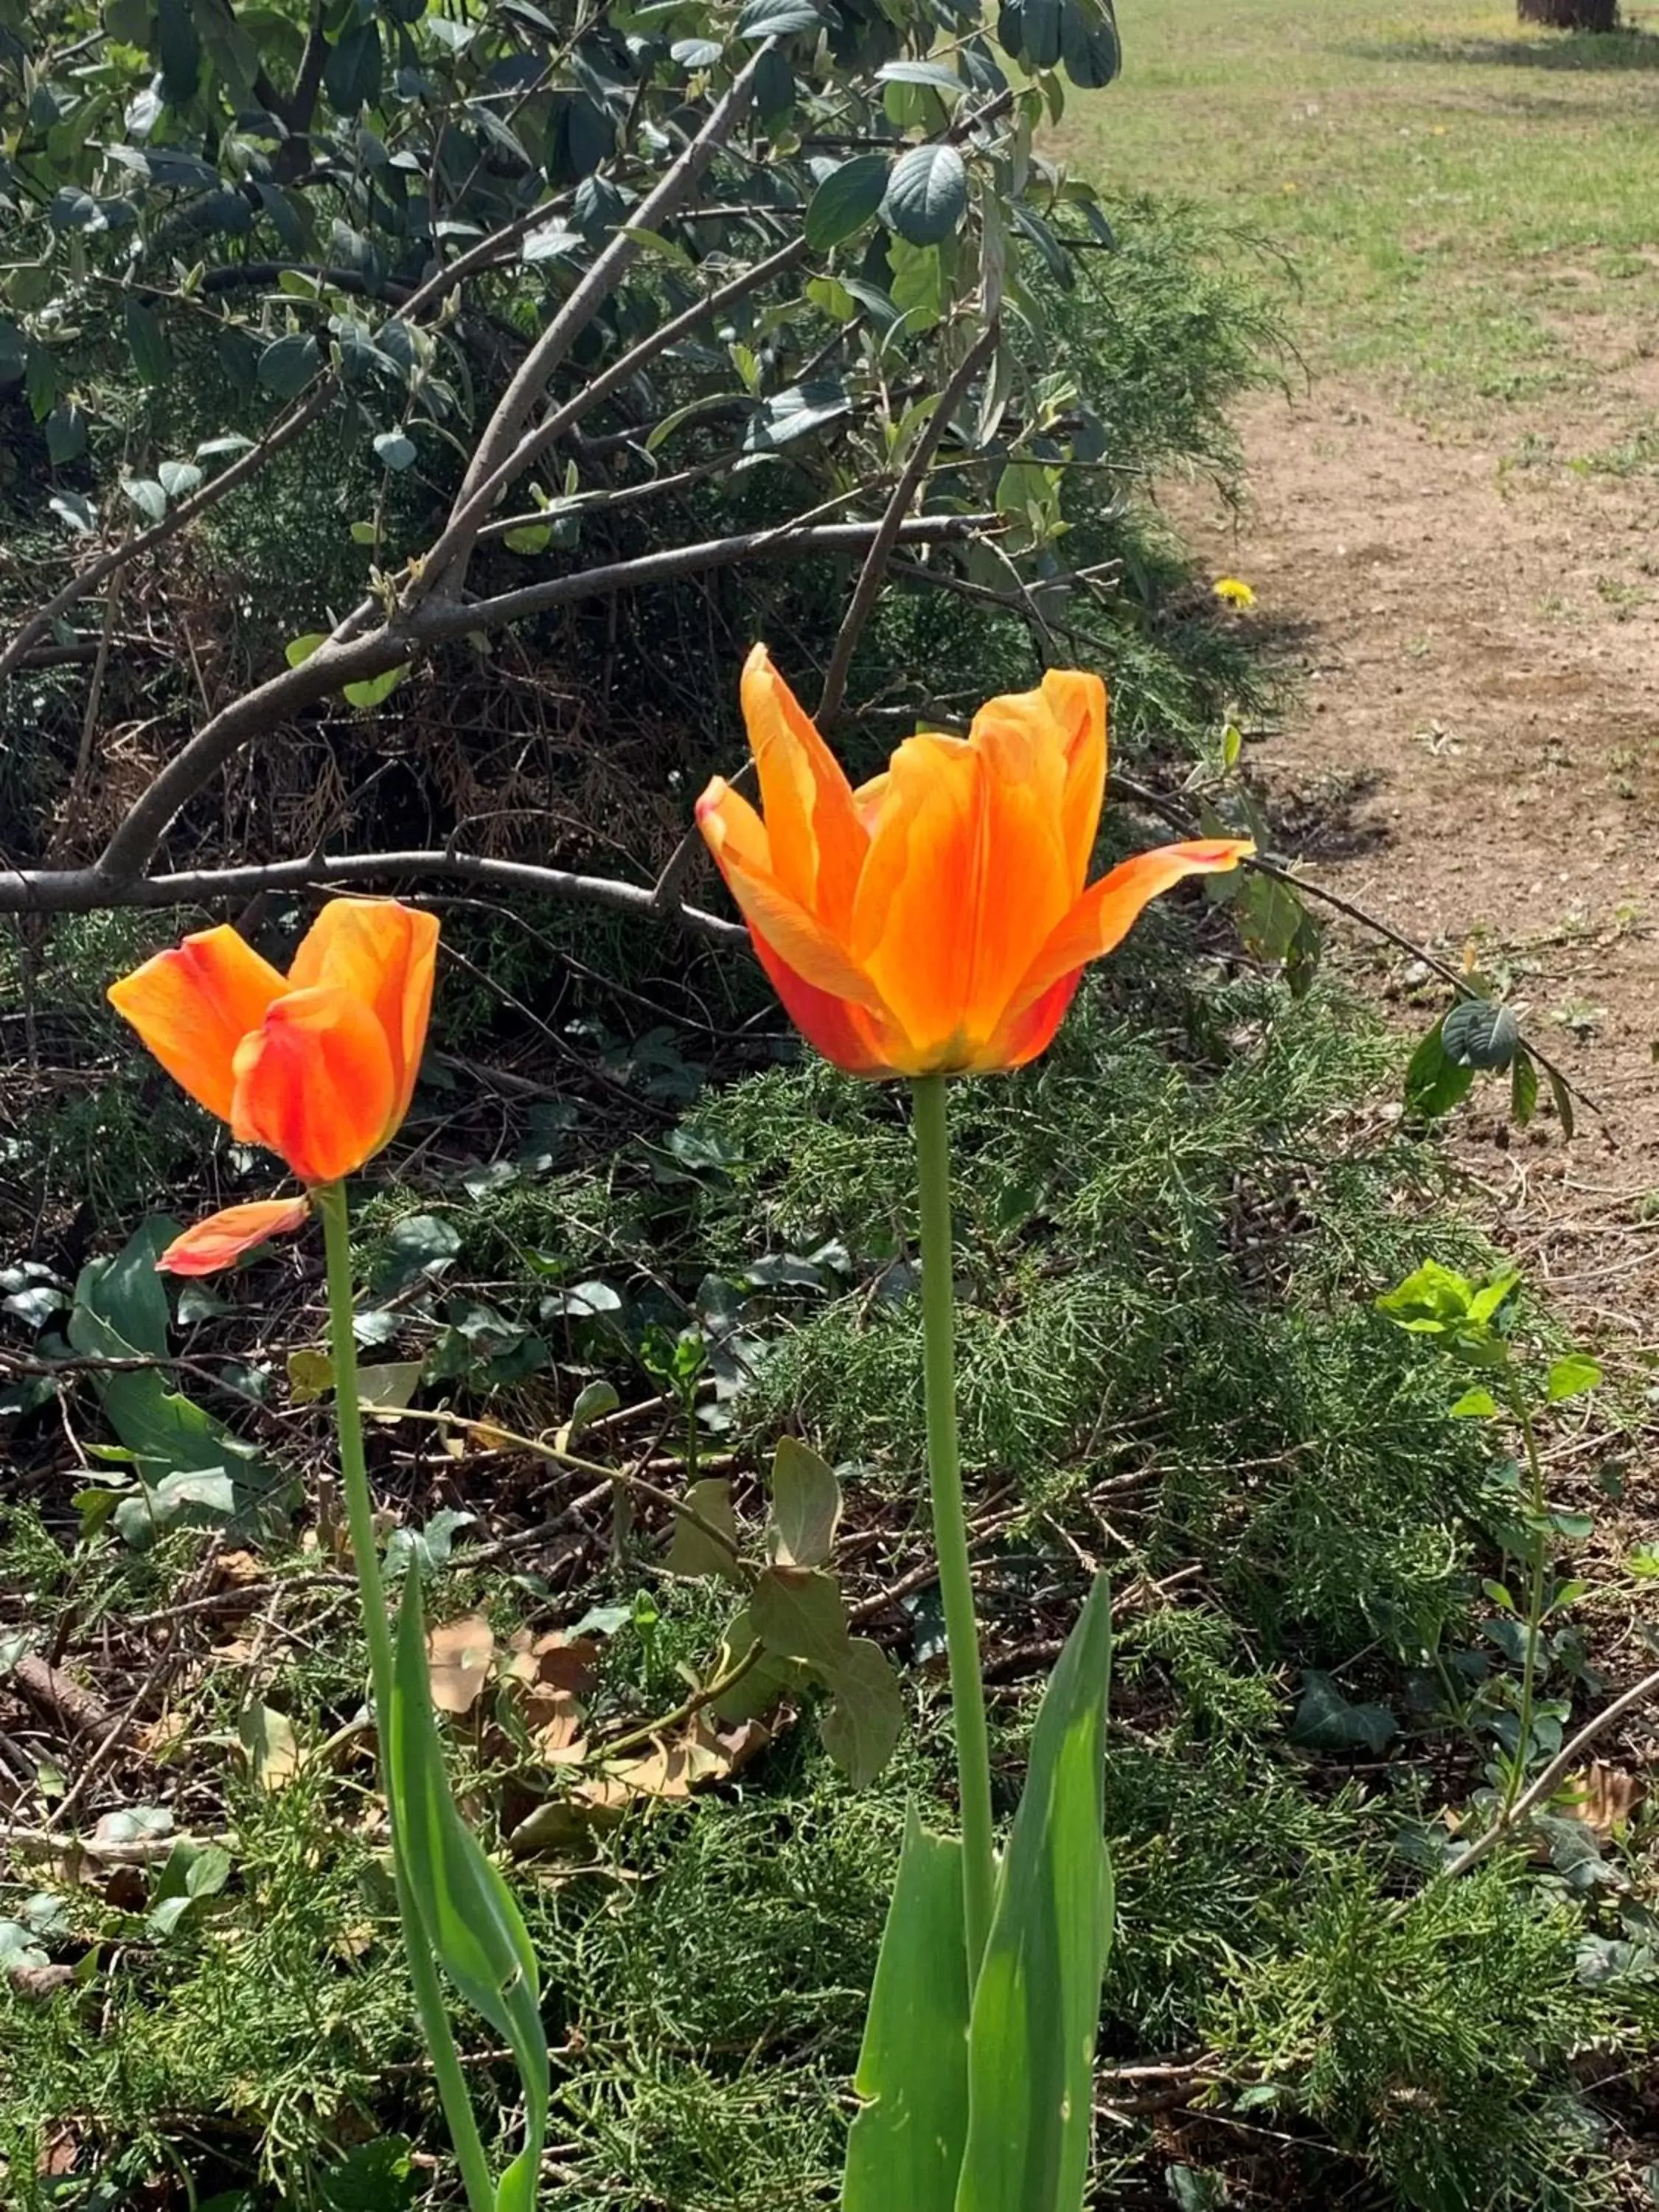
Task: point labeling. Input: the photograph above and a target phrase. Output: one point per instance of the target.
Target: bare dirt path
(1473, 754)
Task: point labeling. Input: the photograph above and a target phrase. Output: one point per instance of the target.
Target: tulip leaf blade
(1036, 2002)
(906, 2144)
(466, 1910)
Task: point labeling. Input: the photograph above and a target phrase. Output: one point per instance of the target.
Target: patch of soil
(1473, 754)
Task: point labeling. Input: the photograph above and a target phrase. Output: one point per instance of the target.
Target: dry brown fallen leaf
(1605, 1797)
(458, 1656)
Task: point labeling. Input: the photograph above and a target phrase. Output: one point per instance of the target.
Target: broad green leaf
(1475, 1033)
(1089, 44)
(394, 450)
(861, 1729)
(938, 76)
(772, 19)
(1562, 1097)
(288, 365)
(180, 51)
(1475, 1405)
(190, 1467)
(769, 1678)
(904, 2153)
(1036, 2003)
(1523, 1090)
(178, 479)
(1435, 1083)
(150, 356)
(372, 690)
(806, 1507)
(802, 1617)
(928, 193)
(1040, 32)
(1432, 1296)
(1571, 1376)
(849, 197)
(692, 1553)
(476, 1930)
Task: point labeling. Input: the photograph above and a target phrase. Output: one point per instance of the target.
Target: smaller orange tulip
(935, 921)
(318, 1066)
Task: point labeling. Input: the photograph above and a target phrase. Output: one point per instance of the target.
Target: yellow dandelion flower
(1234, 591)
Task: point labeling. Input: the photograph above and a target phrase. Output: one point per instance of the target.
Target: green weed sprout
(1473, 1324)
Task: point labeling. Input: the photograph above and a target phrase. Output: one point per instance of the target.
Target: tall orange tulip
(316, 1066)
(935, 921)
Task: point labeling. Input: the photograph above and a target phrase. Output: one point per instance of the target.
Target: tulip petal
(1023, 880)
(207, 1246)
(818, 840)
(316, 1083)
(841, 1031)
(920, 885)
(1107, 911)
(1077, 701)
(384, 955)
(193, 1006)
(741, 845)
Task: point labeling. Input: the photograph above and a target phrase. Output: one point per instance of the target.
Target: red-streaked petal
(818, 840)
(384, 955)
(316, 1083)
(193, 1006)
(842, 1033)
(741, 845)
(208, 1246)
(1030, 1034)
(1103, 916)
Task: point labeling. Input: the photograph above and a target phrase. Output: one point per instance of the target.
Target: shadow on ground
(1581, 51)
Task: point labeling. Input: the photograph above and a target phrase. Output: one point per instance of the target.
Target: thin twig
(1178, 818)
(1560, 1765)
(883, 545)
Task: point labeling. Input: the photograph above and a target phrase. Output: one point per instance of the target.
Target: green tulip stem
(331, 1203)
(950, 1518)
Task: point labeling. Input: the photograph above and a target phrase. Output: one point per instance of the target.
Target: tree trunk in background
(1570, 15)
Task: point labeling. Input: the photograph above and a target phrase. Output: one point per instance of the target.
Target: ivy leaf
(147, 495)
(928, 194)
(1325, 1721)
(178, 479)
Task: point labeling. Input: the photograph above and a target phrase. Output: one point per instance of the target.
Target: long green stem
(359, 1518)
(1536, 1577)
(949, 1519)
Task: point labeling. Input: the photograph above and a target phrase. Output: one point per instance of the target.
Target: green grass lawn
(1471, 212)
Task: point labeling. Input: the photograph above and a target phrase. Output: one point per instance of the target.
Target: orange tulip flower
(318, 1066)
(935, 921)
